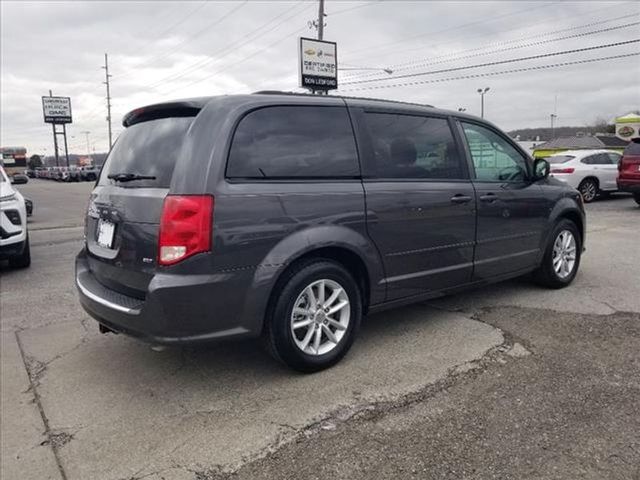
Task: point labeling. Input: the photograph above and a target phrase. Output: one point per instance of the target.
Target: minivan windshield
(560, 159)
(148, 150)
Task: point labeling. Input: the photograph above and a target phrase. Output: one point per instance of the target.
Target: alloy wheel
(588, 190)
(320, 317)
(564, 254)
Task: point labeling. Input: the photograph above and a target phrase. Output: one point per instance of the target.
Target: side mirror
(541, 169)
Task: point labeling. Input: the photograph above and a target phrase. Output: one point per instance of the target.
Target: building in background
(13, 159)
(579, 142)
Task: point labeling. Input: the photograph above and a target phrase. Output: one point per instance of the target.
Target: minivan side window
(412, 147)
(294, 142)
(494, 158)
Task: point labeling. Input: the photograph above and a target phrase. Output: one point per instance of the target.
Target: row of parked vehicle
(599, 172)
(66, 174)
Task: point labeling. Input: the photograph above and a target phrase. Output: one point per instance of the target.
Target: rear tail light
(563, 170)
(185, 227)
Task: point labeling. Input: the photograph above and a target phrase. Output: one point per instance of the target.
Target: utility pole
(86, 133)
(553, 133)
(55, 137)
(321, 20)
(107, 76)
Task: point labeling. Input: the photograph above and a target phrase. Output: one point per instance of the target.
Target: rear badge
(147, 260)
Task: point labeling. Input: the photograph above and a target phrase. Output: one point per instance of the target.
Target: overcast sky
(166, 50)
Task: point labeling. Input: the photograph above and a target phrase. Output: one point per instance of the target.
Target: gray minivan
(290, 216)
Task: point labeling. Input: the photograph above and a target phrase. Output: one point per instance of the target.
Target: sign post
(318, 65)
(57, 111)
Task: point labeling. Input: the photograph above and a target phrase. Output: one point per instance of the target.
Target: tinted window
(147, 148)
(290, 142)
(590, 160)
(494, 158)
(560, 159)
(614, 158)
(633, 148)
(406, 146)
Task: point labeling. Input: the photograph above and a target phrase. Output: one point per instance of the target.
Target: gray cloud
(166, 50)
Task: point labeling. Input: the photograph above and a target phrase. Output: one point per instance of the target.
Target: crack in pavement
(52, 439)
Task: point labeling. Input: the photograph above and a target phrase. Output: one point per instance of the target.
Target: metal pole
(86, 133)
(55, 137)
(106, 76)
(66, 149)
(321, 20)
(482, 105)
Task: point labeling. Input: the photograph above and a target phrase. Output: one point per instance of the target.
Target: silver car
(589, 171)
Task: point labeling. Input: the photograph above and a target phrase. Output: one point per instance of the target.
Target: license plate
(105, 233)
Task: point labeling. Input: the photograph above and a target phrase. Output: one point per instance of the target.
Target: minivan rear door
(125, 207)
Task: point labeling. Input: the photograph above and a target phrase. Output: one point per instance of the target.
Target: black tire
(588, 188)
(278, 335)
(546, 274)
(636, 197)
(24, 259)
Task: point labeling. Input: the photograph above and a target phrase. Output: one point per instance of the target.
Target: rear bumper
(178, 309)
(631, 186)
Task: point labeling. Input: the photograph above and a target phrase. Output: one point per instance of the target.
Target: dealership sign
(318, 64)
(628, 127)
(56, 109)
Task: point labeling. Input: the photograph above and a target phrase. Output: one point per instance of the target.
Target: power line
(242, 60)
(422, 47)
(190, 38)
(457, 27)
(457, 55)
(247, 38)
(500, 62)
(491, 74)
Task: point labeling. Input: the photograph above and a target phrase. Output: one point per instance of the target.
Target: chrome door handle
(459, 198)
(489, 198)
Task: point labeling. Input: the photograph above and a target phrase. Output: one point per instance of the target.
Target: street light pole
(553, 133)
(482, 91)
(87, 132)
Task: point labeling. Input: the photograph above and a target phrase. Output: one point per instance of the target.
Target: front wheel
(562, 256)
(315, 316)
(24, 259)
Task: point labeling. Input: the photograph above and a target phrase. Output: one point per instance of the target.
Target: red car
(629, 170)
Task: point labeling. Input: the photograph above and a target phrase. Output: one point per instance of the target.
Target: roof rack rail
(302, 94)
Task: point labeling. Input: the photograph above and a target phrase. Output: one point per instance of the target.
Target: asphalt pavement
(509, 381)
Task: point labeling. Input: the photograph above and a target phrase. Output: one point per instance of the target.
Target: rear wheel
(24, 259)
(588, 188)
(562, 256)
(315, 316)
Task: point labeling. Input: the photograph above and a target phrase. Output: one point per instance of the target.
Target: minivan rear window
(149, 148)
(294, 142)
(633, 148)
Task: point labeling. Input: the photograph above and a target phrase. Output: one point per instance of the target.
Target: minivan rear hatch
(125, 207)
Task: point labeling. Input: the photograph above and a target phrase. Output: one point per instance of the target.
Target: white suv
(589, 171)
(14, 238)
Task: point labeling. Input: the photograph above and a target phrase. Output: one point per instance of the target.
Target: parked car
(89, 173)
(19, 179)
(629, 170)
(591, 172)
(14, 237)
(289, 217)
(28, 205)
